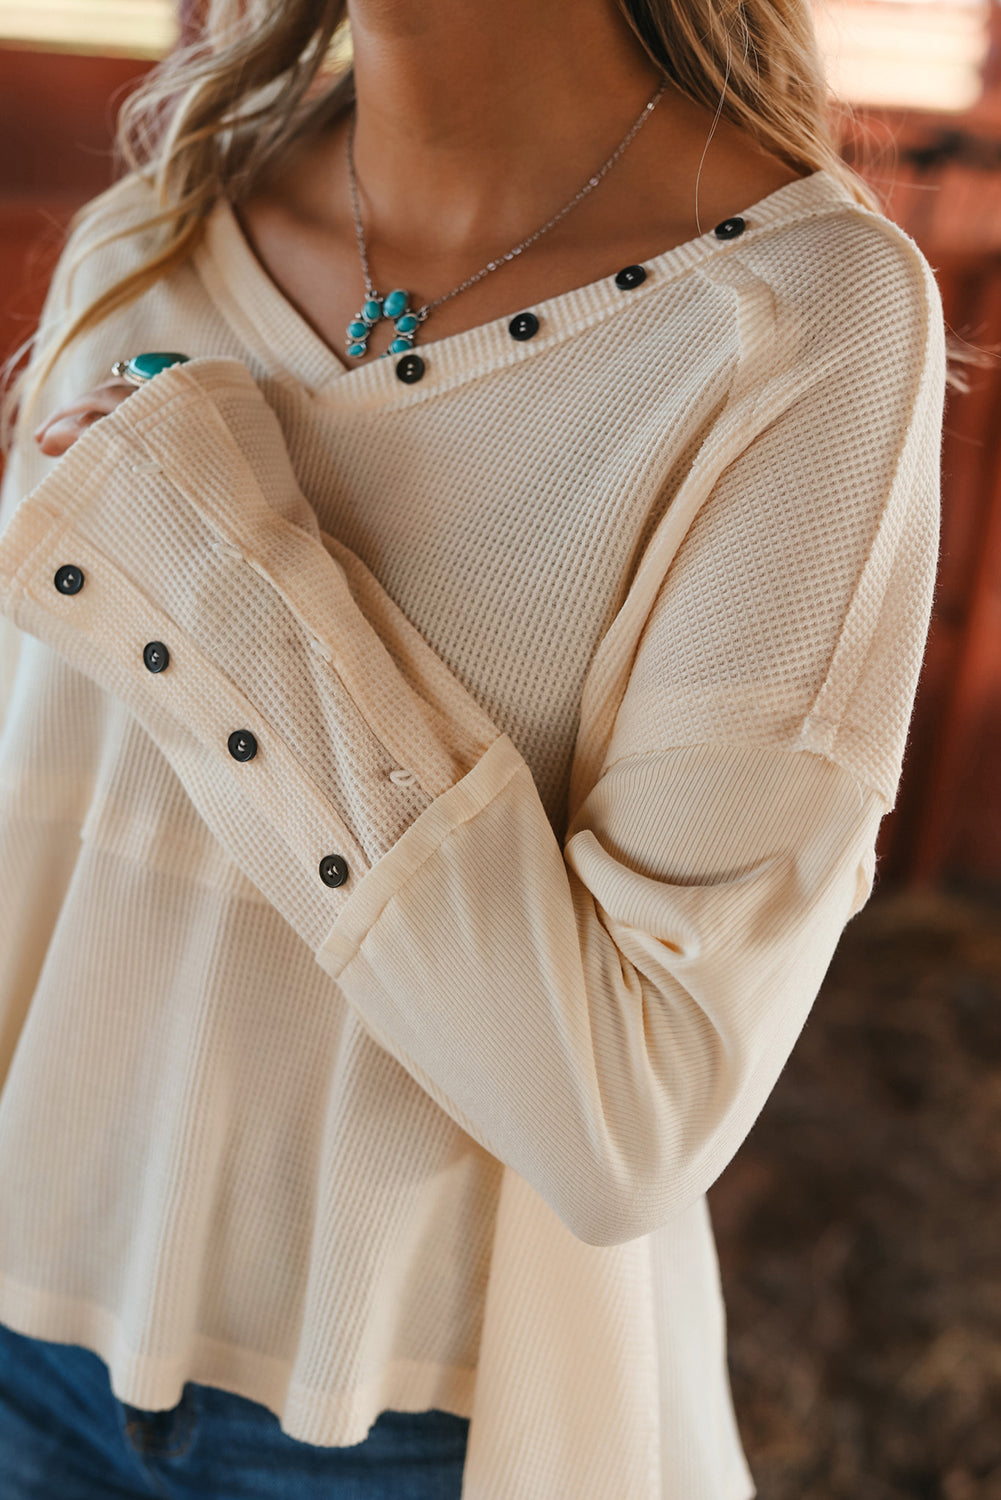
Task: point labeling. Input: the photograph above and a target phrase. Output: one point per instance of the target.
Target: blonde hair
(215, 113)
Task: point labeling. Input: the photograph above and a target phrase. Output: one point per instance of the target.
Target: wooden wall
(56, 122)
(944, 187)
(56, 115)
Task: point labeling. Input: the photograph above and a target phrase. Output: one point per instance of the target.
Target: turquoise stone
(394, 306)
(145, 366)
(395, 303)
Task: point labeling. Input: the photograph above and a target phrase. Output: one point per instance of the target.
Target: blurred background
(859, 1226)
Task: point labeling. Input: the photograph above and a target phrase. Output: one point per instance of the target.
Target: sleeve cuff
(369, 898)
(170, 542)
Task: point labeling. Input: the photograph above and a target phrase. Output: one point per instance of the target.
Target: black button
(524, 326)
(333, 869)
(69, 579)
(155, 656)
(242, 745)
(630, 276)
(729, 229)
(409, 368)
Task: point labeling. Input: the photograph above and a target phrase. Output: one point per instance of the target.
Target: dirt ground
(859, 1227)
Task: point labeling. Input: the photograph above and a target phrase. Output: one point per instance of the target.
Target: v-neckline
(270, 325)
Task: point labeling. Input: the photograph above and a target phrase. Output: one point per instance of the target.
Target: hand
(60, 431)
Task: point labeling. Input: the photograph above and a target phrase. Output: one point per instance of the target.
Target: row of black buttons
(525, 325)
(411, 367)
(242, 745)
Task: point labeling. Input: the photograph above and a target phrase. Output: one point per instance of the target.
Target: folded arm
(606, 1017)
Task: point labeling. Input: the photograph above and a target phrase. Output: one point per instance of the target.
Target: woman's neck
(477, 121)
(468, 113)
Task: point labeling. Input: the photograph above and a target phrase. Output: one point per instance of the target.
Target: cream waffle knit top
(589, 658)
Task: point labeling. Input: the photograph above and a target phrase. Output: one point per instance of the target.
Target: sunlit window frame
(109, 28)
(905, 54)
(852, 32)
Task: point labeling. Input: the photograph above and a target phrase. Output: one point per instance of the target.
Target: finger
(62, 433)
(101, 401)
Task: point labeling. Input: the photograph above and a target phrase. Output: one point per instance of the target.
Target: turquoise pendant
(394, 306)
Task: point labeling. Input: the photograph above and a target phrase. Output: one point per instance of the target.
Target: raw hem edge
(323, 1418)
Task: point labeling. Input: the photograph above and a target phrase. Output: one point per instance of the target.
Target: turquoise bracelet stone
(142, 367)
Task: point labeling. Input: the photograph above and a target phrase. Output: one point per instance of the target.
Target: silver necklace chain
(592, 182)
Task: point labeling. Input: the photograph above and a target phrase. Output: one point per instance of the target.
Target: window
(905, 54)
(916, 54)
(130, 28)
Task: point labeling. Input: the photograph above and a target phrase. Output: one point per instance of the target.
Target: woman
(435, 784)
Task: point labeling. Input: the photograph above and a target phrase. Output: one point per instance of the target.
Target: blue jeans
(64, 1435)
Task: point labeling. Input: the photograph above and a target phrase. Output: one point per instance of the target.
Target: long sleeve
(606, 1016)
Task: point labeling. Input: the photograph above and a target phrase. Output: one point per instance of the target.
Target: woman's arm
(608, 1017)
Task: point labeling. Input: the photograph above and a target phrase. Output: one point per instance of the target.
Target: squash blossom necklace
(396, 304)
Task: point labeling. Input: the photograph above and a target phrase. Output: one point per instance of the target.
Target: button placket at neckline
(731, 229)
(630, 277)
(268, 324)
(523, 326)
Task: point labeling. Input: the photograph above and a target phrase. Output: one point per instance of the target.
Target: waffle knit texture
(592, 656)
